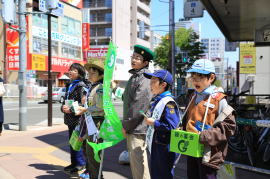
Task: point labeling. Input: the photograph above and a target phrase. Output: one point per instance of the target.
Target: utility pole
(49, 70)
(172, 45)
(22, 71)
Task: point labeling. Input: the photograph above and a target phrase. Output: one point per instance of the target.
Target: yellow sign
(247, 58)
(38, 62)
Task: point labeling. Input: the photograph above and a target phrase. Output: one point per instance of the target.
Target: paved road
(37, 112)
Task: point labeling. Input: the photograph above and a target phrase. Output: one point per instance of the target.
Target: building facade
(214, 51)
(66, 33)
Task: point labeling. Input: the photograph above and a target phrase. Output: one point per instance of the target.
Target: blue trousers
(76, 157)
(162, 161)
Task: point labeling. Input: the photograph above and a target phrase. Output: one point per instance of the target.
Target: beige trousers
(138, 156)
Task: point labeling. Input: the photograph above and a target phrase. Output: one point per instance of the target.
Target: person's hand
(80, 139)
(149, 121)
(81, 110)
(113, 84)
(124, 132)
(66, 109)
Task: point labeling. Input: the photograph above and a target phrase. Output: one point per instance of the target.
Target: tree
(186, 41)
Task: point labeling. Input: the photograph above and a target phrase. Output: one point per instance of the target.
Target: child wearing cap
(165, 116)
(93, 115)
(209, 115)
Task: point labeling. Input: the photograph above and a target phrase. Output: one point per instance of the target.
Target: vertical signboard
(85, 36)
(12, 37)
(247, 58)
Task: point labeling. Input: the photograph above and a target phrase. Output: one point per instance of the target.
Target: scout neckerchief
(72, 86)
(157, 112)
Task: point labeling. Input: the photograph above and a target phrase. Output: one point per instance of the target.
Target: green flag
(111, 128)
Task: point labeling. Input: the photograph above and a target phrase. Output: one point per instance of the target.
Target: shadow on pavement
(60, 140)
(53, 171)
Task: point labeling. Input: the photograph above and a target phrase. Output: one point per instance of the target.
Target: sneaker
(69, 168)
(84, 175)
(77, 169)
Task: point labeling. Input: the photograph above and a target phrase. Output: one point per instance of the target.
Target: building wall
(121, 23)
(139, 12)
(261, 83)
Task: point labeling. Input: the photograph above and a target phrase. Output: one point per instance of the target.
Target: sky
(160, 16)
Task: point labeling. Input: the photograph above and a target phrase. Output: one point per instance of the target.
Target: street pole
(171, 29)
(22, 65)
(49, 71)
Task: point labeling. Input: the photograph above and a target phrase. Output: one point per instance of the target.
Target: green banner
(111, 128)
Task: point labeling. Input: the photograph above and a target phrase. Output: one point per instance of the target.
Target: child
(75, 92)
(165, 117)
(219, 122)
(93, 106)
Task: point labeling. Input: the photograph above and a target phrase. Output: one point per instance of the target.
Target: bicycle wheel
(266, 154)
(248, 138)
(236, 142)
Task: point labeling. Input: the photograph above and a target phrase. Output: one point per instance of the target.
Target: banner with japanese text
(111, 128)
(12, 43)
(247, 58)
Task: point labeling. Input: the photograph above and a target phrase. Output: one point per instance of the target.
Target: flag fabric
(111, 128)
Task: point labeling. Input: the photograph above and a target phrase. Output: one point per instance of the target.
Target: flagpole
(101, 164)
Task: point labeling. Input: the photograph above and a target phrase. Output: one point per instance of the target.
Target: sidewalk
(42, 152)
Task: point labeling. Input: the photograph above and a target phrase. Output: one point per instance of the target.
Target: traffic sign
(193, 8)
(57, 12)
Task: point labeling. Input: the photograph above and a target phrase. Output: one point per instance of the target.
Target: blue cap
(162, 74)
(202, 66)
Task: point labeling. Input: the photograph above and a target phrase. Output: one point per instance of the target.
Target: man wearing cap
(136, 97)
(162, 117)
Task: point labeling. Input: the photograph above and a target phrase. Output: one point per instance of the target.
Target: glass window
(70, 51)
(71, 27)
(54, 21)
(40, 46)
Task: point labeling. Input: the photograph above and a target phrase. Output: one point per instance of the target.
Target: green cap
(147, 54)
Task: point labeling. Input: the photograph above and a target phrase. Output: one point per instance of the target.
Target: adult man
(136, 97)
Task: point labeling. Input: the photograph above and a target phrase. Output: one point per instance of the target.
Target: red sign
(13, 58)
(12, 48)
(76, 3)
(62, 64)
(95, 53)
(85, 36)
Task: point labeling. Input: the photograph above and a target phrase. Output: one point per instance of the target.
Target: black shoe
(77, 169)
(69, 168)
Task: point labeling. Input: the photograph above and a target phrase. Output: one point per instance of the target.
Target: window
(41, 20)
(40, 46)
(71, 27)
(70, 51)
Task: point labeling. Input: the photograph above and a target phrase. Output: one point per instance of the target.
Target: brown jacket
(215, 139)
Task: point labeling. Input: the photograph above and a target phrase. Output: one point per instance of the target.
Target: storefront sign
(13, 58)
(62, 64)
(38, 62)
(57, 36)
(85, 36)
(12, 48)
(247, 58)
(95, 53)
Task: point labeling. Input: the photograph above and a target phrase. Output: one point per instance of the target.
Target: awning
(240, 19)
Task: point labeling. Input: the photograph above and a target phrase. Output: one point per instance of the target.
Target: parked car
(58, 94)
